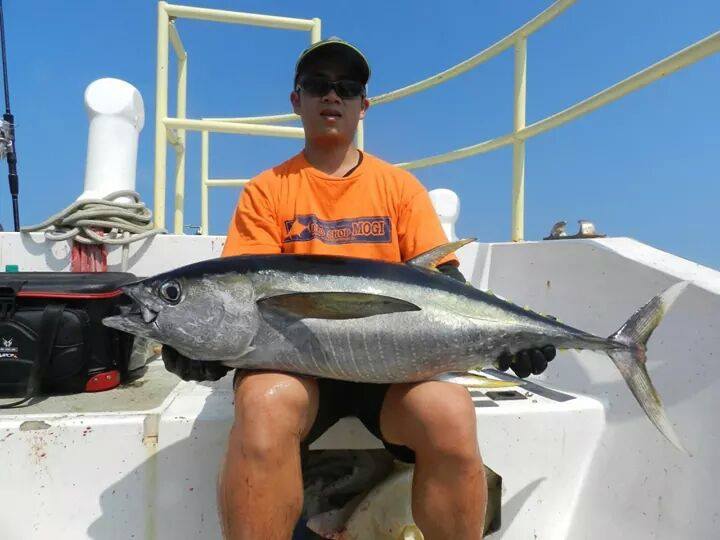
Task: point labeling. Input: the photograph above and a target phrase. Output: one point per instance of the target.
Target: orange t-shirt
(378, 211)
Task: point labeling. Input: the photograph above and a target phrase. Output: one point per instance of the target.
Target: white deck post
(161, 96)
(181, 145)
(204, 175)
(518, 191)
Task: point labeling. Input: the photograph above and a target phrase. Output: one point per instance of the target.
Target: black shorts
(339, 399)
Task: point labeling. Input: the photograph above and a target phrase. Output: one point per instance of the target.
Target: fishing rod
(7, 131)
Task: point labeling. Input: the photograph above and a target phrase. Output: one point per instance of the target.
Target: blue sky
(645, 166)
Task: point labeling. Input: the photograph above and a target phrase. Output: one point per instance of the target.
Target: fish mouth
(148, 314)
(137, 318)
(139, 311)
(139, 307)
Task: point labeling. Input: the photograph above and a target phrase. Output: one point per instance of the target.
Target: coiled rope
(101, 221)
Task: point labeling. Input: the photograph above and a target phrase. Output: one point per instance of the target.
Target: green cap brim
(335, 47)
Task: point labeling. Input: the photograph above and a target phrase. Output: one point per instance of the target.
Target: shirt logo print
(306, 227)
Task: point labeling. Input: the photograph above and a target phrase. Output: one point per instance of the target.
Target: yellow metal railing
(172, 130)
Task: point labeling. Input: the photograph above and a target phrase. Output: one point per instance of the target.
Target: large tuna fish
(364, 320)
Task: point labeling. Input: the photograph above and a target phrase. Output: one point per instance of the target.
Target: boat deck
(141, 461)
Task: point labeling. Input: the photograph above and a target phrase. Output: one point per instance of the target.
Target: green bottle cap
(11, 268)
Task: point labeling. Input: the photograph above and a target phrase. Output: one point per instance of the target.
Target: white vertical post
(360, 133)
(316, 31)
(204, 176)
(117, 115)
(518, 191)
(181, 149)
(161, 96)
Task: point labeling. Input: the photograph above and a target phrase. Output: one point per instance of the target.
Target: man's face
(329, 118)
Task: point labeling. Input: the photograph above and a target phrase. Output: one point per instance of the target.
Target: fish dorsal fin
(333, 305)
(430, 258)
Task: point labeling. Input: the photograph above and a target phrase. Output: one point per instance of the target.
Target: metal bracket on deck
(587, 230)
(151, 430)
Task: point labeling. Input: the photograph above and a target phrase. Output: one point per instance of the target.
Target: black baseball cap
(334, 47)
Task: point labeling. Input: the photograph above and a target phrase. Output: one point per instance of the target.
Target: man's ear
(295, 101)
(364, 106)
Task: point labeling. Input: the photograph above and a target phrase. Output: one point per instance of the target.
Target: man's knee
(433, 417)
(273, 412)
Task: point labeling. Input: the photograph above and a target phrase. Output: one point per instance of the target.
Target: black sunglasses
(320, 86)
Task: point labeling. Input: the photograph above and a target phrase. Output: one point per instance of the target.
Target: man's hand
(192, 370)
(524, 362)
(527, 361)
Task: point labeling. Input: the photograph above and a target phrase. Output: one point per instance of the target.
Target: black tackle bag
(52, 340)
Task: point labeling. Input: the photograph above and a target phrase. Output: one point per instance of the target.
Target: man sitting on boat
(334, 199)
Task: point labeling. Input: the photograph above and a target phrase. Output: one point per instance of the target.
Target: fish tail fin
(630, 360)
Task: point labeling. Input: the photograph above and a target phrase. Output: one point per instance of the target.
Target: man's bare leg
(437, 421)
(260, 490)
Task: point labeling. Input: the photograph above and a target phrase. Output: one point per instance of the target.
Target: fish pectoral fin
(432, 257)
(333, 305)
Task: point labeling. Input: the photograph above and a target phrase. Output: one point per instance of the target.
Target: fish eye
(171, 291)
